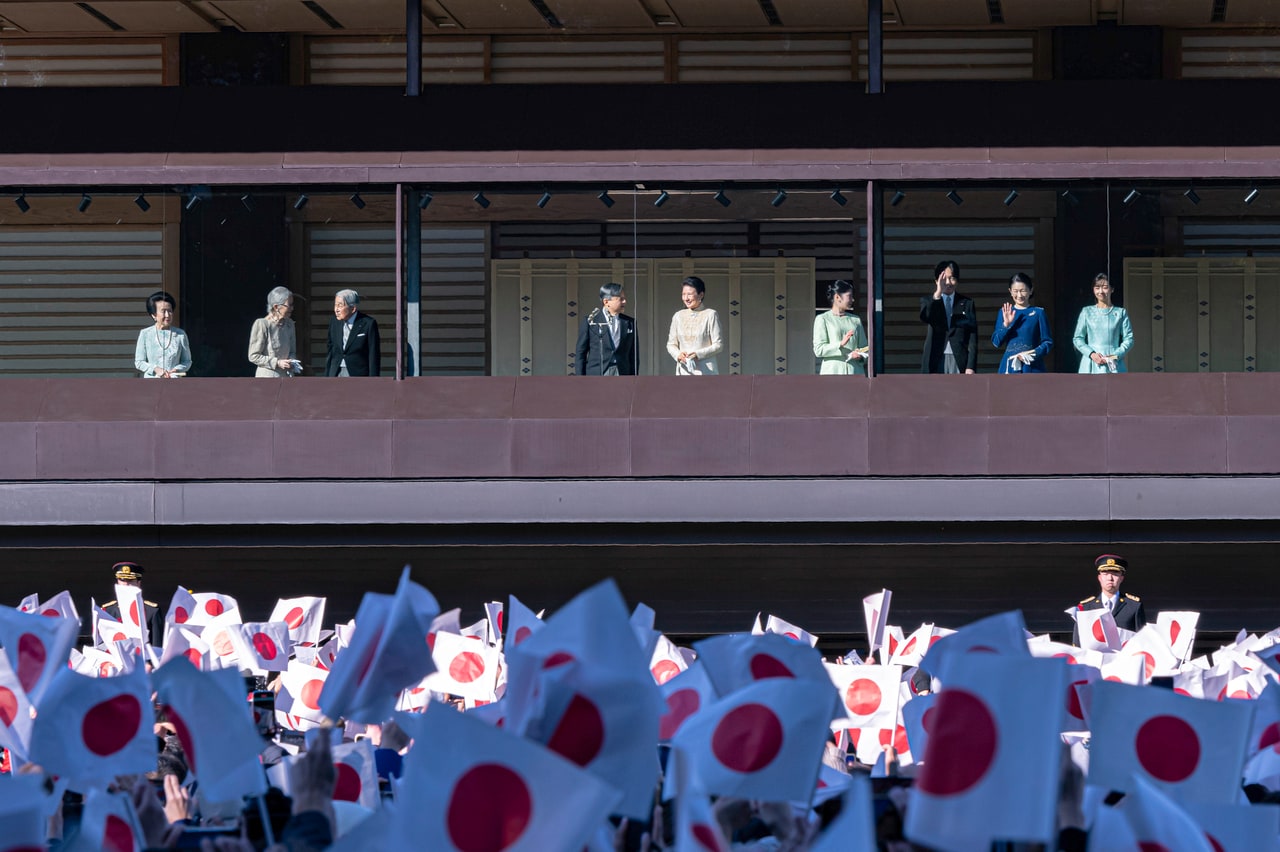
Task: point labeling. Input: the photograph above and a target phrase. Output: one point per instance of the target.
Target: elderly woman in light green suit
(838, 337)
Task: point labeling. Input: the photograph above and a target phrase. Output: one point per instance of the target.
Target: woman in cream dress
(839, 340)
(695, 333)
(273, 341)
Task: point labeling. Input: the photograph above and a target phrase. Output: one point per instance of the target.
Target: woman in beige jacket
(273, 342)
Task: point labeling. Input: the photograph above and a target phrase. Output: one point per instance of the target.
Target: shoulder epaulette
(150, 603)
(107, 604)
(1089, 599)
(1133, 597)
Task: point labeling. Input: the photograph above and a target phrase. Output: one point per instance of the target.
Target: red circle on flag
(1073, 699)
(1071, 661)
(265, 646)
(133, 613)
(489, 810)
(962, 744)
(1240, 693)
(1174, 629)
(664, 670)
(1270, 736)
(8, 706)
(110, 725)
(706, 836)
(792, 636)
(1148, 663)
(681, 704)
(1098, 632)
(466, 667)
(926, 720)
(180, 615)
(911, 644)
(184, 736)
(347, 786)
(117, 836)
(50, 613)
(522, 634)
(193, 656)
(119, 637)
(862, 697)
(579, 735)
(222, 644)
(213, 606)
(310, 693)
(764, 666)
(1152, 846)
(559, 658)
(105, 669)
(897, 737)
(1213, 841)
(500, 620)
(1168, 748)
(294, 618)
(748, 738)
(31, 659)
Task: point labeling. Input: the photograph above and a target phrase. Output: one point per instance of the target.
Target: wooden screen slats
(1230, 238)
(36, 63)
(1229, 55)
(454, 301)
(538, 60)
(955, 56)
(72, 300)
(361, 258)
(381, 62)
(773, 59)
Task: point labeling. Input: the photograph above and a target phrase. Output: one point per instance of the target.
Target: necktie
(346, 333)
(947, 301)
(614, 330)
(1110, 604)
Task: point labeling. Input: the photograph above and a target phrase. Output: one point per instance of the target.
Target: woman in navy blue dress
(1022, 330)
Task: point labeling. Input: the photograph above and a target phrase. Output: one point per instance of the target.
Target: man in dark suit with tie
(354, 347)
(951, 343)
(607, 344)
(1126, 609)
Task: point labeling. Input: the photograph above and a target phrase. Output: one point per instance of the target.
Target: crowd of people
(592, 730)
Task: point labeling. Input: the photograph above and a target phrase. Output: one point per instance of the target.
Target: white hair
(351, 297)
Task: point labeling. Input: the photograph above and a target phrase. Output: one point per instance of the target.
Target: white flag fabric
(667, 661)
(1266, 720)
(30, 603)
(893, 640)
(875, 609)
(262, 645)
(133, 613)
(521, 621)
(1097, 630)
(15, 712)
(37, 647)
(911, 651)
(685, 695)
(1192, 749)
(917, 719)
(494, 618)
(109, 823)
(304, 616)
(59, 606)
(868, 694)
(1149, 644)
(855, 827)
(24, 824)
(697, 829)
(1179, 630)
(994, 732)
(1004, 634)
(181, 642)
(473, 786)
(1157, 822)
(211, 605)
(216, 633)
(735, 660)
(93, 729)
(299, 695)
(1237, 828)
(357, 773)
(764, 741)
(215, 725)
(465, 666)
(786, 629)
(181, 606)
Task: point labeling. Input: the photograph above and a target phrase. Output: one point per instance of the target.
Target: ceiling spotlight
(544, 200)
(661, 199)
(142, 202)
(779, 198)
(1133, 196)
(1069, 197)
(357, 200)
(301, 202)
(1011, 197)
(479, 198)
(85, 201)
(898, 197)
(246, 201)
(424, 200)
(21, 201)
(722, 199)
(955, 198)
(838, 197)
(1252, 194)
(1191, 195)
(192, 202)
(604, 198)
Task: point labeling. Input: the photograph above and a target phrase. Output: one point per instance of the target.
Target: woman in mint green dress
(1103, 333)
(838, 338)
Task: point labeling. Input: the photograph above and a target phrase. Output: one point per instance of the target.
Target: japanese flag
(684, 695)
(521, 623)
(1157, 822)
(1237, 828)
(31, 603)
(868, 694)
(181, 607)
(493, 616)
(93, 729)
(1157, 656)
(93, 662)
(1004, 634)
(300, 693)
(785, 628)
(996, 729)
(215, 726)
(697, 829)
(107, 630)
(855, 827)
(217, 635)
(60, 606)
(1266, 720)
(764, 741)
(24, 825)
(475, 787)
(304, 616)
(917, 718)
(893, 640)
(264, 645)
(133, 612)
(387, 653)
(211, 605)
(187, 644)
(875, 609)
(1191, 748)
(109, 823)
(1097, 630)
(15, 712)
(1179, 630)
(357, 774)
(37, 647)
(1125, 668)
(667, 661)
(734, 660)
(464, 666)
(912, 651)
(1076, 710)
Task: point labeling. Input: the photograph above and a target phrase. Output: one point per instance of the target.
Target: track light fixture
(301, 202)
(85, 201)
(780, 198)
(604, 198)
(424, 200)
(898, 197)
(954, 198)
(1069, 197)
(838, 197)
(1191, 195)
(479, 198)
(722, 199)
(1011, 197)
(357, 200)
(21, 201)
(143, 204)
(544, 200)
(1132, 196)
(192, 202)
(661, 199)
(246, 201)
(1251, 195)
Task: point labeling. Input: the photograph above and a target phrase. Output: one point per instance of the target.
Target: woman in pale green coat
(838, 338)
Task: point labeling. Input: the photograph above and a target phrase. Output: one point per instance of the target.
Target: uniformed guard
(1126, 609)
(130, 574)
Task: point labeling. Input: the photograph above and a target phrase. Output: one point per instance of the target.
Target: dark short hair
(836, 288)
(942, 265)
(1021, 278)
(160, 296)
(1102, 276)
(608, 291)
(695, 282)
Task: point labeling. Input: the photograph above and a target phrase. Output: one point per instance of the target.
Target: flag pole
(266, 820)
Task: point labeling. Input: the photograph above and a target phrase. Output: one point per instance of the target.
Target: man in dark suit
(607, 344)
(951, 344)
(1125, 609)
(354, 347)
